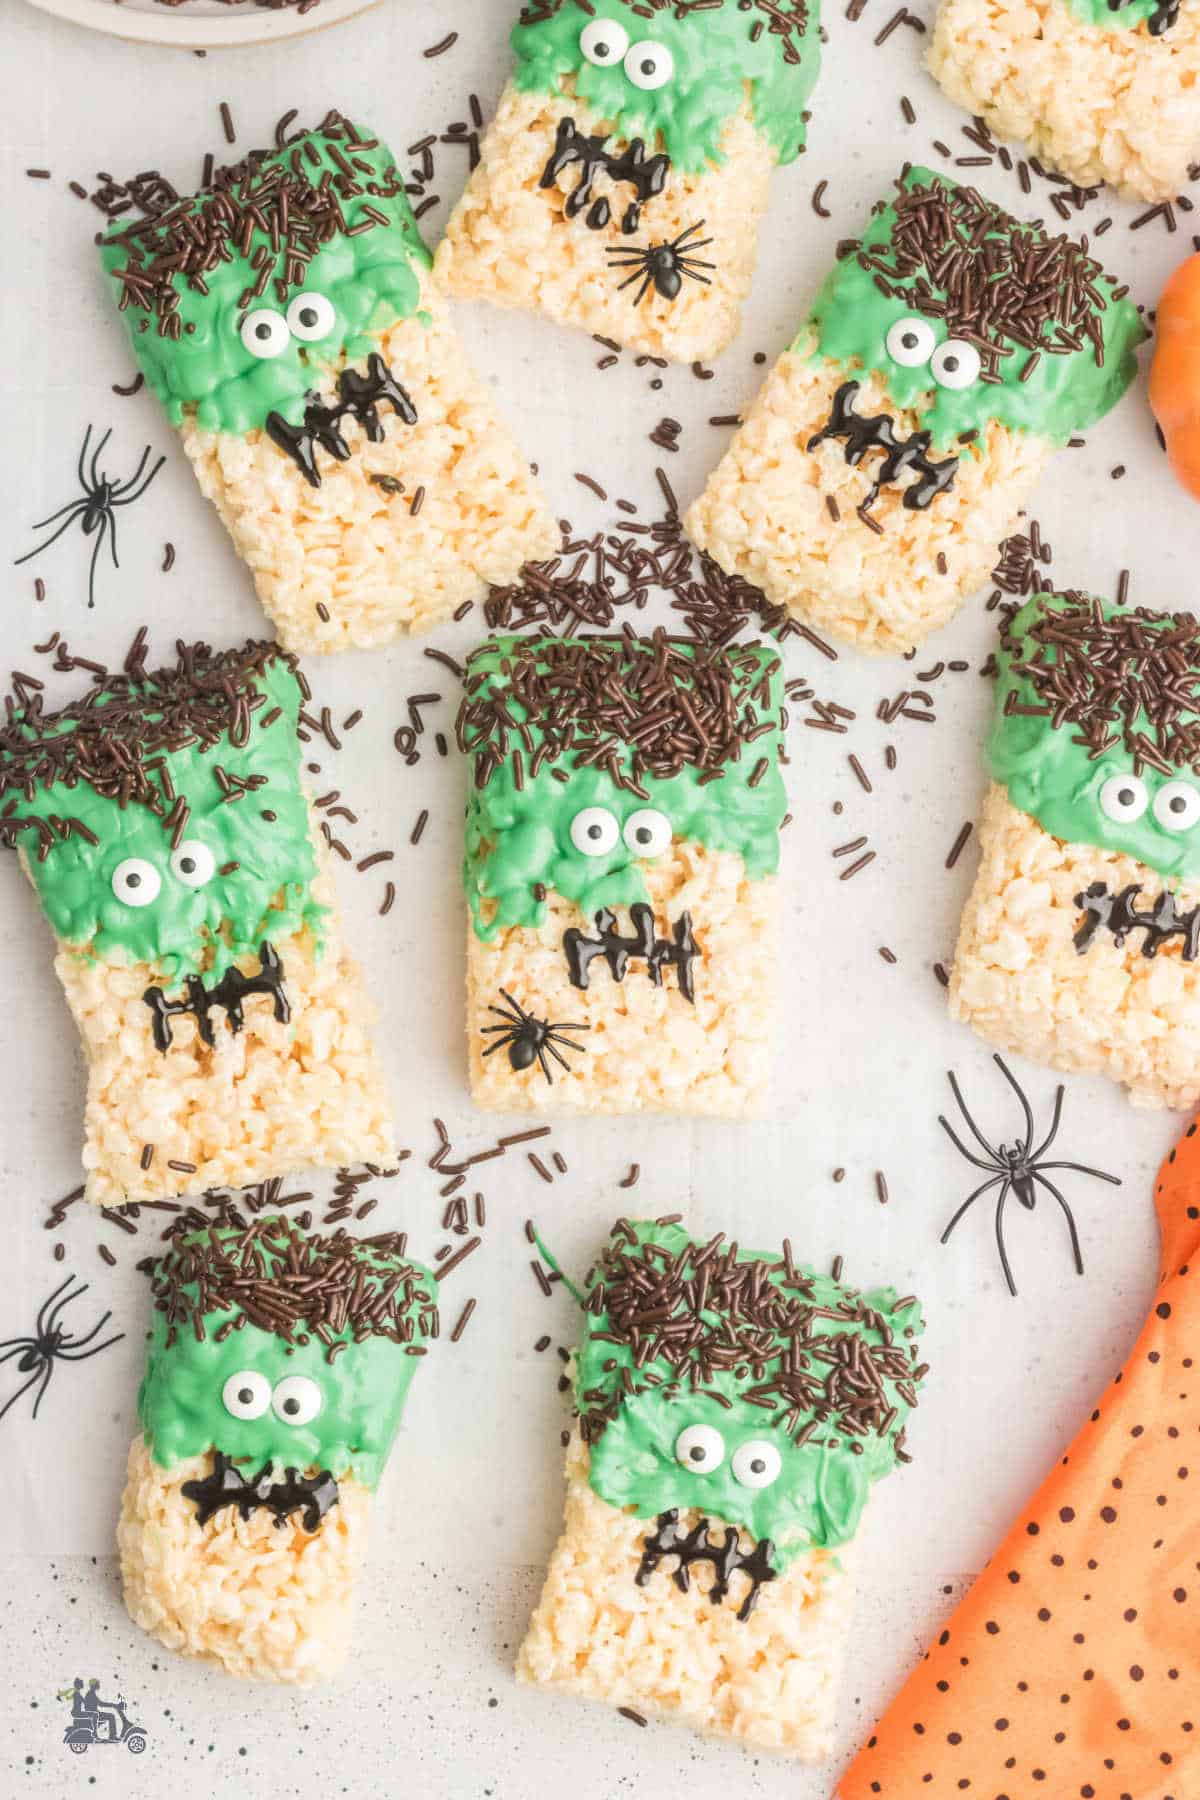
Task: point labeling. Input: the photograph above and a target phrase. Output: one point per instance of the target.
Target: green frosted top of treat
(236, 299)
(957, 304)
(1123, 18)
(162, 815)
(591, 755)
(271, 1346)
(1096, 731)
(756, 1391)
(674, 72)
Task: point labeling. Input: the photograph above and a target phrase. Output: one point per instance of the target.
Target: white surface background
(470, 1505)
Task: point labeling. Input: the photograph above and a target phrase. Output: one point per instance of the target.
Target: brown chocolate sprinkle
(630, 1180)
(631, 1713)
(881, 1187)
(959, 844)
(440, 49)
(596, 697)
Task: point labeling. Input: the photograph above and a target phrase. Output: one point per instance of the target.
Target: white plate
(201, 24)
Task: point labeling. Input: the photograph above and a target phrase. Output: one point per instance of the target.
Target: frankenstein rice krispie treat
(622, 840)
(1079, 945)
(734, 1412)
(287, 319)
(627, 169)
(275, 1381)
(948, 355)
(162, 821)
(1102, 90)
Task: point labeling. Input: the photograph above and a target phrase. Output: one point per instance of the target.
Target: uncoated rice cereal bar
(162, 821)
(1102, 92)
(622, 839)
(276, 1376)
(626, 172)
(287, 318)
(734, 1412)
(1080, 942)
(949, 353)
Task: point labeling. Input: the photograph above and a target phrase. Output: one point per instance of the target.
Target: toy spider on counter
(527, 1038)
(51, 1343)
(95, 510)
(662, 266)
(1016, 1168)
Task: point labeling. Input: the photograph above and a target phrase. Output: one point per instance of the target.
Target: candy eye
(911, 342)
(136, 882)
(265, 332)
(647, 832)
(296, 1400)
(594, 831)
(246, 1395)
(311, 316)
(700, 1448)
(1177, 806)
(1123, 798)
(193, 863)
(756, 1464)
(649, 65)
(604, 42)
(955, 364)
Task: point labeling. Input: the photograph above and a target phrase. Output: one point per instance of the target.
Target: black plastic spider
(528, 1038)
(662, 266)
(51, 1343)
(95, 509)
(1018, 1168)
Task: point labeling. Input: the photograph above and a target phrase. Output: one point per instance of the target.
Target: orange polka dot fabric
(1072, 1668)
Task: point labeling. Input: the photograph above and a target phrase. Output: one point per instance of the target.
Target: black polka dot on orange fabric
(992, 1629)
(1137, 1431)
(945, 1638)
(1137, 1673)
(1183, 1474)
(1108, 1514)
(1058, 1561)
(1181, 1595)
(1130, 1614)
(1043, 1613)
(1013, 1576)
(1032, 1529)
(1123, 1725)
(1001, 1724)
(1087, 1791)
(1022, 1687)
(1092, 1563)
(1038, 1774)
(954, 1737)
(1066, 1514)
(1089, 1674)
(1163, 1309)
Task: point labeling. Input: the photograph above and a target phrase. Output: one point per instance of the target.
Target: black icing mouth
(900, 454)
(726, 1558)
(680, 950)
(309, 1495)
(228, 994)
(647, 175)
(359, 397)
(1160, 21)
(1116, 913)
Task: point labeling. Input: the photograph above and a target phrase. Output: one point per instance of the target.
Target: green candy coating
(1064, 394)
(715, 53)
(1121, 18)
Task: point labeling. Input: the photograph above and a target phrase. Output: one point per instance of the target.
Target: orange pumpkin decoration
(1175, 372)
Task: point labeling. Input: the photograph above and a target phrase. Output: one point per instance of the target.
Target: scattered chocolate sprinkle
(959, 844)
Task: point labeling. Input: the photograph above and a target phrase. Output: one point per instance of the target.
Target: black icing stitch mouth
(647, 175)
(1160, 21)
(310, 1495)
(900, 454)
(679, 951)
(1116, 913)
(360, 398)
(727, 1558)
(228, 994)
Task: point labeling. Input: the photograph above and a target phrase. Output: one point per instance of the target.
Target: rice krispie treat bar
(624, 177)
(276, 1375)
(1079, 943)
(947, 356)
(227, 1030)
(1100, 90)
(287, 319)
(622, 840)
(734, 1413)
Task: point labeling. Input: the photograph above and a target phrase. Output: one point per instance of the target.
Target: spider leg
(962, 1107)
(96, 475)
(1080, 1169)
(19, 1345)
(685, 235)
(76, 510)
(121, 488)
(950, 1132)
(544, 1065)
(503, 1042)
(123, 495)
(969, 1201)
(72, 1354)
(48, 1313)
(1004, 1264)
(9, 1404)
(41, 1393)
(95, 559)
(74, 1343)
(638, 273)
(82, 463)
(1036, 1155)
(558, 1057)
(1019, 1091)
(647, 284)
(518, 1009)
(1070, 1218)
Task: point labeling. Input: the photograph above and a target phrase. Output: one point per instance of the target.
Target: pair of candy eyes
(605, 43)
(266, 333)
(137, 882)
(701, 1448)
(913, 342)
(295, 1400)
(595, 831)
(1176, 805)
